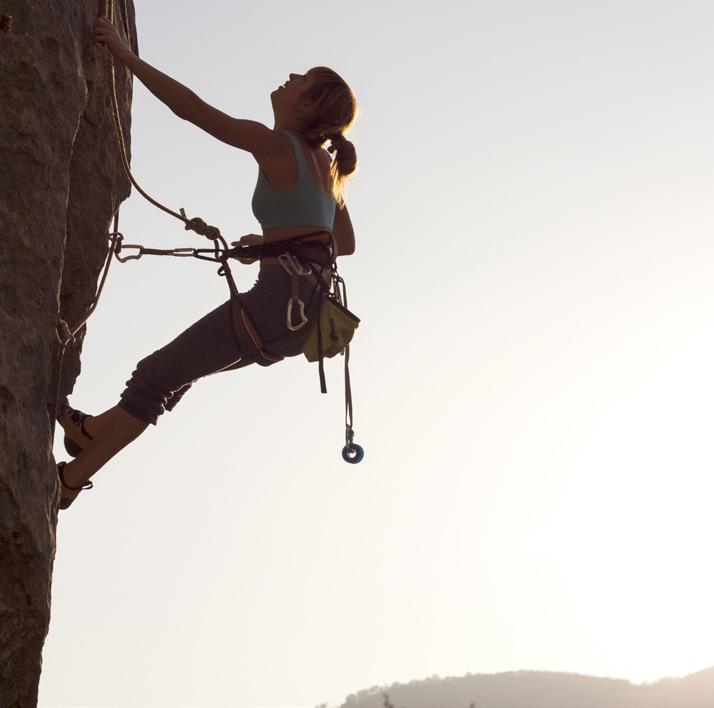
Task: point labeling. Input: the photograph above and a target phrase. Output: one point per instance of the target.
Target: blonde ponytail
(334, 113)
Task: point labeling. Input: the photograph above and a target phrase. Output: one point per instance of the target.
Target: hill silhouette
(540, 689)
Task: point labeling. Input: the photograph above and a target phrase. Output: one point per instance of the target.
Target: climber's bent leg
(178, 395)
(118, 431)
(157, 384)
(162, 378)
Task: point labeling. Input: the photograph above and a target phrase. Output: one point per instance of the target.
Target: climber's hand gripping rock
(105, 33)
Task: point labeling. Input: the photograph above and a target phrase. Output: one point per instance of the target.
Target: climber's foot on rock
(68, 493)
(79, 429)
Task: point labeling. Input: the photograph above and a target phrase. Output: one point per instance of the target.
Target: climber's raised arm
(244, 134)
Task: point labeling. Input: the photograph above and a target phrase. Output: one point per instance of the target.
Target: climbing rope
(195, 224)
(68, 335)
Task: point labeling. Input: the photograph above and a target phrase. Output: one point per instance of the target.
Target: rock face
(61, 181)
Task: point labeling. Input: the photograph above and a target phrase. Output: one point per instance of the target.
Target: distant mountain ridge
(541, 689)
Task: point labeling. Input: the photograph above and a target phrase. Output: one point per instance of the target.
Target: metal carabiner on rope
(185, 252)
(292, 265)
(295, 269)
(303, 319)
(123, 246)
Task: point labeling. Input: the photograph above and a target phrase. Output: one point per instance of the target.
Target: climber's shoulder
(249, 135)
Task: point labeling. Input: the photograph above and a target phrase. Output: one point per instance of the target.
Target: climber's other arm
(244, 134)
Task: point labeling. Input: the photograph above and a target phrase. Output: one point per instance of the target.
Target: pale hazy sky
(532, 378)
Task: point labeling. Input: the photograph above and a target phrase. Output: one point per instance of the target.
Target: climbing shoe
(66, 491)
(78, 430)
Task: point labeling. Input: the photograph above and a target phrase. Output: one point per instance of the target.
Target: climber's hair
(334, 113)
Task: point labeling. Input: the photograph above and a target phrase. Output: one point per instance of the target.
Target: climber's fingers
(248, 240)
(105, 33)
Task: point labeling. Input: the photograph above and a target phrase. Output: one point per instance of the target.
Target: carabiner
(292, 265)
(303, 319)
(123, 259)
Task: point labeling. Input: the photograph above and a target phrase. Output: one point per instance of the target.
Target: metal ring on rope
(353, 453)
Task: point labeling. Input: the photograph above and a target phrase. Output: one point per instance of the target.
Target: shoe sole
(71, 446)
(65, 502)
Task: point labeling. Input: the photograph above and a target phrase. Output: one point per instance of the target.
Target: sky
(532, 375)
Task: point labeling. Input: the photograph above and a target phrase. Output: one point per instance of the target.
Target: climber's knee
(149, 390)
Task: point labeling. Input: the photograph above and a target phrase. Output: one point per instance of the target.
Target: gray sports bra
(303, 204)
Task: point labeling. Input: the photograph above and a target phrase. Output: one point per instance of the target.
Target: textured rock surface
(60, 182)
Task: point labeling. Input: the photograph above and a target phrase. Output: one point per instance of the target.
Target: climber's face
(288, 98)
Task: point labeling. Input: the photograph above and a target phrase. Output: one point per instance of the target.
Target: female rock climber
(299, 190)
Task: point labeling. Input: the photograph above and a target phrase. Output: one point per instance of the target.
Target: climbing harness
(333, 324)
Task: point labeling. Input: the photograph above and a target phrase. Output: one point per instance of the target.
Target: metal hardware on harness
(187, 252)
(180, 252)
(303, 319)
(124, 259)
(294, 269)
(292, 265)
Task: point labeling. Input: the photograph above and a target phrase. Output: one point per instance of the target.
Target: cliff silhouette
(60, 184)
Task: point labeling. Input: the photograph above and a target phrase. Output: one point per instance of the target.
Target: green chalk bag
(333, 332)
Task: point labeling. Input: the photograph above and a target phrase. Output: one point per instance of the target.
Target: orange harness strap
(249, 341)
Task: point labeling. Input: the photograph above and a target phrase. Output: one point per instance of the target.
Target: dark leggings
(209, 346)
